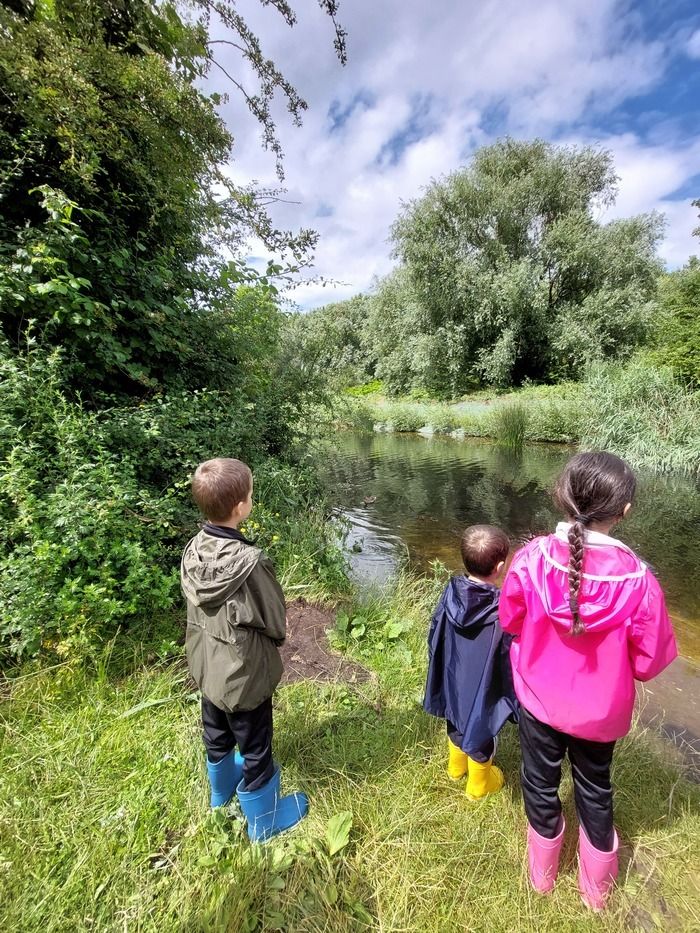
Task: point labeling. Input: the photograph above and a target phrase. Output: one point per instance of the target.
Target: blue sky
(427, 83)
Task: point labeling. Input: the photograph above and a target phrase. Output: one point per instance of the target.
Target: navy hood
(470, 605)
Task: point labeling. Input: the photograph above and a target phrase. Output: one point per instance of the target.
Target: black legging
(250, 729)
(543, 750)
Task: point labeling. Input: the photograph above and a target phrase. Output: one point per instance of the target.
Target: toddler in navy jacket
(470, 683)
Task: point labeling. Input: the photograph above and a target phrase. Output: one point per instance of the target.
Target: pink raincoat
(583, 685)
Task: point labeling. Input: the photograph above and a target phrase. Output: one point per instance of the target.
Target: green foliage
(114, 207)
(442, 419)
(408, 353)
(404, 417)
(95, 506)
(369, 388)
(556, 418)
(333, 343)
(130, 349)
(644, 413)
(677, 336)
(505, 275)
(359, 415)
(369, 630)
(338, 831)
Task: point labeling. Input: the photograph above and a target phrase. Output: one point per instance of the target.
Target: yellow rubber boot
(484, 779)
(457, 761)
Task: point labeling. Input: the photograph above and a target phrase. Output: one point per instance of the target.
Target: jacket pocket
(240, 614)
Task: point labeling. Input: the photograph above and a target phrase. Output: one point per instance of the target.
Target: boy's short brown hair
(219, 485)
(483, 547)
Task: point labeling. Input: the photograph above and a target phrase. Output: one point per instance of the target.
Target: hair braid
(575, 573)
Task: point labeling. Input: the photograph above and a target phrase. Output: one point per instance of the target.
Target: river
(407, 497)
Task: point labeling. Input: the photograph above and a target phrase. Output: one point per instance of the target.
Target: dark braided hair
(593, 487)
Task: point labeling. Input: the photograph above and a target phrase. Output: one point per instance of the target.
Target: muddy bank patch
(306, 652)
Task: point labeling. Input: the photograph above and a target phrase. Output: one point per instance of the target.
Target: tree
(112, 233)
(516, 276)
(677, 337)
(132, 348)
(333, 341)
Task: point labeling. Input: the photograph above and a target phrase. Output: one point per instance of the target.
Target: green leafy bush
(405, 418)
(368, 388)
(442, 419)
(95, 507)
(359, 416)
(368, 633)
(677, 337)
(555, 419)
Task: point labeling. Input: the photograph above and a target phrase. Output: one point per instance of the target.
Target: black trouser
(250, 730)
(482, 756)
(543, 750)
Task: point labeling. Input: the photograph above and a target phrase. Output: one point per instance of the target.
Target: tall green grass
(105, 825)
(554, 415)
(639, 411)
(509, 424)
(645, 414)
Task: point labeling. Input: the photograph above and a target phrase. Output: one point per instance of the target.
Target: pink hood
(584, 685)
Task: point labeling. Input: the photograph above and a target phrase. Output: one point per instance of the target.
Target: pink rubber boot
(543, 858)
(597, 871)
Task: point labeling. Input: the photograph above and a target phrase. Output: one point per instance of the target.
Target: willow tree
(516, 274)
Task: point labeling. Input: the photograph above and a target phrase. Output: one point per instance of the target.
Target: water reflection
(428, 489)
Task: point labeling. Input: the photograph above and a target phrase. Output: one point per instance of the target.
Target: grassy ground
(104, 821)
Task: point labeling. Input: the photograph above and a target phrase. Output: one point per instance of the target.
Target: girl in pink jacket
(588, 619)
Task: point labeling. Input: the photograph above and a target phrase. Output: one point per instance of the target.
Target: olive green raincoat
(235, 621)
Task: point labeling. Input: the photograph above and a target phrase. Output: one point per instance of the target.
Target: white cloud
(544, 66)
(693, 46)
(648, 176)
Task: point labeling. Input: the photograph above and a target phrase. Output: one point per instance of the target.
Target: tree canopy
(114, 225)
(134, 342)
(512, 273)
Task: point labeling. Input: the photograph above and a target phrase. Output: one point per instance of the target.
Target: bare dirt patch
(306, 652)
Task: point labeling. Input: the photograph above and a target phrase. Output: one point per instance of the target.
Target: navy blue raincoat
(470, 682)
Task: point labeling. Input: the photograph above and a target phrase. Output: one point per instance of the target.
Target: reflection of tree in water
(453, 483)
(428, 490)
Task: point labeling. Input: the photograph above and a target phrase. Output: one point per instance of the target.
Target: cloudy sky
(429, 81)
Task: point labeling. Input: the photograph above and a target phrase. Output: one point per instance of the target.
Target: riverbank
(547, 413)
(640, 411)
(106, 825)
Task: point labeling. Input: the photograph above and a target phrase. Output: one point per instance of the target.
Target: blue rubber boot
(224, 777)
(267, 812)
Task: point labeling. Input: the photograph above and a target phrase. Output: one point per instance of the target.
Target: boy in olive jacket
(235, 624)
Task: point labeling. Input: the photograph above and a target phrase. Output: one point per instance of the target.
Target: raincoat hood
(214, 568)
(470, 605)
(612, 582)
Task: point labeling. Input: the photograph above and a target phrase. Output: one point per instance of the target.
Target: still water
(409, 497)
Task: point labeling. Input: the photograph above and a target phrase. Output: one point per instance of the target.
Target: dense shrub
(555, 419)
(442, 419)
(95, 507)
(367, 388)
(677, 337)
(404, 418)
